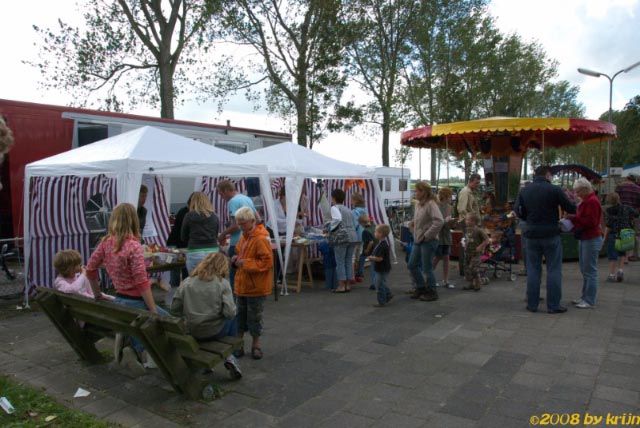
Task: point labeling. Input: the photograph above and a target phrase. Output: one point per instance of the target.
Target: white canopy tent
(128, 156)
(295, 163)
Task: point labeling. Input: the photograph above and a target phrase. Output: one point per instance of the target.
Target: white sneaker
(117, 347)
(577, 301)
(231, 364)
(584, 305)
(450, 285)
(148, 361)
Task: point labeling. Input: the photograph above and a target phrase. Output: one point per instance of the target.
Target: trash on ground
(81, 393)
(6, 405)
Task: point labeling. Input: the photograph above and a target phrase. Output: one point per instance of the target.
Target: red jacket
(588, 218)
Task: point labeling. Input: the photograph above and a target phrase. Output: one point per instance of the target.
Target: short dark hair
(144, 189)
(542, 170)
(474, 176)
(338, 195)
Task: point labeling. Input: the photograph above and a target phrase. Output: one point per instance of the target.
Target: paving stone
(599, 406)
(104, 406)
(472, 357)
(346, 420)
(398, 420)
(537, 381)
(493, 421)
(619, 395)
(130, 416)
(465, 408)
(630, 382)
(373, 408)
(516, 409)
(450, 421)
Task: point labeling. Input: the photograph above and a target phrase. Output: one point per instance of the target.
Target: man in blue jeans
(538, 204)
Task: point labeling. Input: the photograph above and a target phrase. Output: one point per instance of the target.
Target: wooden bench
(176, 353)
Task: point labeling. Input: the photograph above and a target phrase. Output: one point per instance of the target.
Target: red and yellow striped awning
(531, 132)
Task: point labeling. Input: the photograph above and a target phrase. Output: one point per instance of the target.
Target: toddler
(475, 242)
(493, 247)
(72, 278)
(368, 242)
(382, 264)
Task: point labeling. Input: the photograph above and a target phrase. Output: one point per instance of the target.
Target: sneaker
(130, 361)
(389, 297)
(118, 344)
(584, 305)
(450, 285)
(418, 292)
(619, 276)
(577, 301)
(408, 291)
(558, 310)
(430, 296)
(378, 305)
(148, 363)
(438, 284)
(231, 364)
(612, 278)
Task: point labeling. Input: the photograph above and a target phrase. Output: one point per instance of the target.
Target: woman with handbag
(343, 236)
(588, 232)
(618, 233)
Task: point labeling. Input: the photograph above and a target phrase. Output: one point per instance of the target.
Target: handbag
(626, 240)
(338, 234)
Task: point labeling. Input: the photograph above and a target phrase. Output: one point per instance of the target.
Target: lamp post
(598, 74)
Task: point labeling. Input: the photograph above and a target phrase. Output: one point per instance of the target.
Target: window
(233, 148)
(387, 184)
(91, 132)
(403, 184)
(381, 184)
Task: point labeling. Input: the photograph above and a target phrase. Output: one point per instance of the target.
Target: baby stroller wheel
(497, 274)
(484, 280)
(513, 277)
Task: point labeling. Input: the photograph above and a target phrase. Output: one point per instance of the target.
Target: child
(368, 242)
(476, 240)
(494, 246)
(72, 278)
(205, 301)
(382, 264)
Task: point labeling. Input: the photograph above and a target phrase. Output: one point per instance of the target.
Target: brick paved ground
(468, 360)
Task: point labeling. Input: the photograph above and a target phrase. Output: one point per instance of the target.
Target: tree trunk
(434, 164)
(166, 90)
(302, 125)
(386, 119)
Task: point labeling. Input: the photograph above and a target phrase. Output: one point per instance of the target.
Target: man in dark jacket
(538, 204)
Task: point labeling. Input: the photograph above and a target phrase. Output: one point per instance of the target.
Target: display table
(304, 261)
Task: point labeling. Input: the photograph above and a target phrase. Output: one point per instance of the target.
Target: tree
(299, 44)
(377, 52)
(625, 149)
(135, 46)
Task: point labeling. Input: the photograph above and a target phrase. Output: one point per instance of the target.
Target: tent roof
(291, 159)
(145, 150)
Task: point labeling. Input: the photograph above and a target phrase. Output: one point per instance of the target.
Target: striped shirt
(629, 194)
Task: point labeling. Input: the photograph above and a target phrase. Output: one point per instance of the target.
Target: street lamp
(598, 74)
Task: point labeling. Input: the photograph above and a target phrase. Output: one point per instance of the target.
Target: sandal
(256, 353)
(338, 291)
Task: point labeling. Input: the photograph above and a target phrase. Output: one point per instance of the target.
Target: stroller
(501, 255)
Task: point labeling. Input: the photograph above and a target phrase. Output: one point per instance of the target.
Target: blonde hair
(212, 266)
(444, 193)
(357, 200)
(426, 188)
(200, 204)
(123, 223)
(613, 198)
(6, 137)
(244, 214)
(582, 184)
(66, 262)
(383, 229)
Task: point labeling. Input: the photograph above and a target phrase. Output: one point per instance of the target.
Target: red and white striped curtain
(57, 220)
(160, 215)
(372, 204)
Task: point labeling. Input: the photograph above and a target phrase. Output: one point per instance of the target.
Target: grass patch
(36, 409)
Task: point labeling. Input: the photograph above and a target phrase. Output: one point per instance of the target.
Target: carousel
(501, 144)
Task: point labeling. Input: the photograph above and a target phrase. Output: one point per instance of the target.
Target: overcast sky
(601, 35)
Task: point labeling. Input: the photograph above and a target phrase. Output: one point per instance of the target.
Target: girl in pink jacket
(71, 277)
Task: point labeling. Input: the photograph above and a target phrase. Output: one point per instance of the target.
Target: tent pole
(543, 147)
(446, 153)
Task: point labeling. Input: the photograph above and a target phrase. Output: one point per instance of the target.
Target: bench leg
(168, 359)
(69, 328)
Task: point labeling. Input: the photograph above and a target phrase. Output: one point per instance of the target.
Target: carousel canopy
(520, 134)
(583, 170)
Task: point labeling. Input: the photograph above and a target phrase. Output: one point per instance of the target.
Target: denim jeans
(229, 328)
(588, 255)
(422, 256)
(381, 287)
(551, 248)
(137, 304)
(344, 261)
(194, 258)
